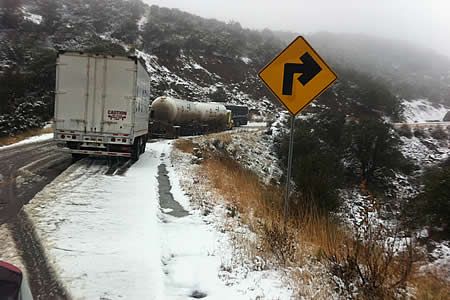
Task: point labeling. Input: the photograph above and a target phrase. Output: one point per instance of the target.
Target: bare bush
(372, 265)
(281, 241)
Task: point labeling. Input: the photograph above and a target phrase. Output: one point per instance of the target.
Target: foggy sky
(422, 22)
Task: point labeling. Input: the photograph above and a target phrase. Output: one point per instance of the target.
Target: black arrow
(309, 70)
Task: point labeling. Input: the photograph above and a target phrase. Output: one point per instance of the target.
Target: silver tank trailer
(179, 112)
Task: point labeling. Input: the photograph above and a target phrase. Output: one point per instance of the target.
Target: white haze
(422, 22)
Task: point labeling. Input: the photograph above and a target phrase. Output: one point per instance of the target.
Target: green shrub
(432, 206)
(439, 133)
(419, 133)
(376, 149)
(317, 169)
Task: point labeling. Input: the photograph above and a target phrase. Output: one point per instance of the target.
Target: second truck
(101, 105)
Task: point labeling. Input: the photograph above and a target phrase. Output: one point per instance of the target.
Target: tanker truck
(101, 105)
(171, 117)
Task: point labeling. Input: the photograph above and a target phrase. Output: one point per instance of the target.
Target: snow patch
(142, 21)
(246, 60)
(36, 19)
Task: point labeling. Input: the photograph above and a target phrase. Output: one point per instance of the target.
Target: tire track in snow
(191, 257)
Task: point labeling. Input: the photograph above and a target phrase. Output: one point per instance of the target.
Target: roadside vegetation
(355, 265)
(430, 209)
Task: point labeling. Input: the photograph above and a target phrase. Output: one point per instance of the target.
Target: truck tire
(144, 145)
(136, 150)
(76, 157)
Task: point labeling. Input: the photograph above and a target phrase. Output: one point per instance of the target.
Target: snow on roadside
(422, 110)
(192, 250)
(250, 277)
(33, 139)
(107, 237)
(8, 249)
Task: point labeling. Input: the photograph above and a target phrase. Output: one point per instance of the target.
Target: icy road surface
(108, 238)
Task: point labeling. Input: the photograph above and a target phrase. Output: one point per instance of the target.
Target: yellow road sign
(297, 75)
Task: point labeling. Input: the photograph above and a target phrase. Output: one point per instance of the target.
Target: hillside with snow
(422, 110)
(189, 57)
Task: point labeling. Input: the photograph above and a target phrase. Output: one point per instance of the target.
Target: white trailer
(101, 105)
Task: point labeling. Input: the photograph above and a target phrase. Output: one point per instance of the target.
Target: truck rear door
(120, 93)
(96, 93)
(71, 86)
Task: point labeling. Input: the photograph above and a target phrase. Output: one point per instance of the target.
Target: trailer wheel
(144, 145)
(136, 150)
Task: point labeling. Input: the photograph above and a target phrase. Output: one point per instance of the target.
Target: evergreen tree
(375, 148)
(10, 14)
(50, 14)
(12, 86)
(432, 206)
(317, 168)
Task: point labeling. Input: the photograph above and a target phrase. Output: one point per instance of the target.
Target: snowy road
(108, 237)
(25, 168)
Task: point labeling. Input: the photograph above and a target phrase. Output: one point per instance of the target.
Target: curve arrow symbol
(309, 69)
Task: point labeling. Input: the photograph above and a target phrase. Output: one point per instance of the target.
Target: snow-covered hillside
(422, 110)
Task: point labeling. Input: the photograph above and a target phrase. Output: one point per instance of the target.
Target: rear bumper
(96, 152)
(94, 138)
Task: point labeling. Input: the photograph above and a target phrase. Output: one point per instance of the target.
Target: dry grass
(185, 145)
(431, 286)
(261, 208)
(8, 140)
(241, 188)
(224, 137)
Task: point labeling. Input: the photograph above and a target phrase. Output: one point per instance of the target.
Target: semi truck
(239, 113)
(101, 105)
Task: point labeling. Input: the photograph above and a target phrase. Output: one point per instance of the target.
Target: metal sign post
(289, 168)
(278, 75)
